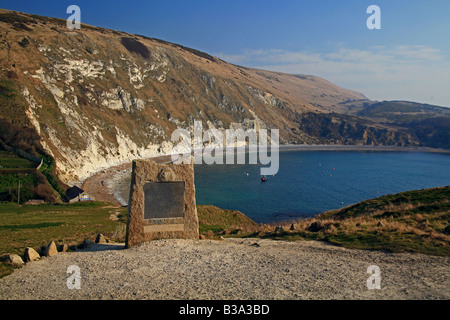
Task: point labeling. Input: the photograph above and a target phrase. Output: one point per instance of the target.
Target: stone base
(162, 203)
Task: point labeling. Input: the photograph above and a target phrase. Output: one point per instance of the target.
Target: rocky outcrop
(31, 255)
(100, 239)
(15, 259)
(62, 247)
(51, 249)
(334, 128)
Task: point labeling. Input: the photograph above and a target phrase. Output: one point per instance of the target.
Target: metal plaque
(164, 200)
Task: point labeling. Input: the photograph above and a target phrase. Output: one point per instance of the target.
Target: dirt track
(230, 269)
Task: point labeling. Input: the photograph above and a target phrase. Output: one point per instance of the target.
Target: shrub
(45, 192)
(24, 43)
(316, 226)
(135, 46)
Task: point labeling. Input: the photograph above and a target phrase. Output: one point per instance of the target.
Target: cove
(311, 182)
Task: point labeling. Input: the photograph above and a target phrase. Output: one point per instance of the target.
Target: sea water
(311, 182)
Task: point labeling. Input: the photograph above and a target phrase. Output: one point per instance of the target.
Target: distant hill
(97, 97)
(402, 111)
(428, 124)
(436, 200)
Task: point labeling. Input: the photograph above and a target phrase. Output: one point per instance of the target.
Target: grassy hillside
(413, 221)
(43, 184)
(20, 181)
(425, 123)
(36, 226)
(214, 221)
(11, 161)
(402, 111)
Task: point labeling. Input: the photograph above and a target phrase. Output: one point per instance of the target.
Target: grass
(10, 160)
(135, 46)
(214, 221)
(413, 221)
(14, 169)
(9, 185)
(36, 226)
(48, 170)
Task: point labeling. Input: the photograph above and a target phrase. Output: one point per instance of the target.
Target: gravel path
(238, 269)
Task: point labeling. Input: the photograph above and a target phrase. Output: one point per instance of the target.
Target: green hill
(413, 221)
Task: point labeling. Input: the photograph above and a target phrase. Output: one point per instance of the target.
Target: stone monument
(162, 203)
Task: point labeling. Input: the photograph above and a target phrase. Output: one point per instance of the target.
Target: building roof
(73, 192)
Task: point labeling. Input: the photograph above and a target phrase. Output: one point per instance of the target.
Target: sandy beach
(108, 184)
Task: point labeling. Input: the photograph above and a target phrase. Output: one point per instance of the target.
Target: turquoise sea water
(312, 182)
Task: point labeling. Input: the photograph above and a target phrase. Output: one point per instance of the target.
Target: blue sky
(407, 59)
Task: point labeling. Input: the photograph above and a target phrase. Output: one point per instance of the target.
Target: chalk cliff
(99, 97)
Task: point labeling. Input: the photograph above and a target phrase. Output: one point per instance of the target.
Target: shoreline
(102, 186)
(112, 176)
(331, 147)
(328, 147)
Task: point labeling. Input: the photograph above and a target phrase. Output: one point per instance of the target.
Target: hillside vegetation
(36, 226)
(428, 124)
(413, 221)
(41, 184)
(214, 221)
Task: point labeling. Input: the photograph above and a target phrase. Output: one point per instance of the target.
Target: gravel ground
(232, 269)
